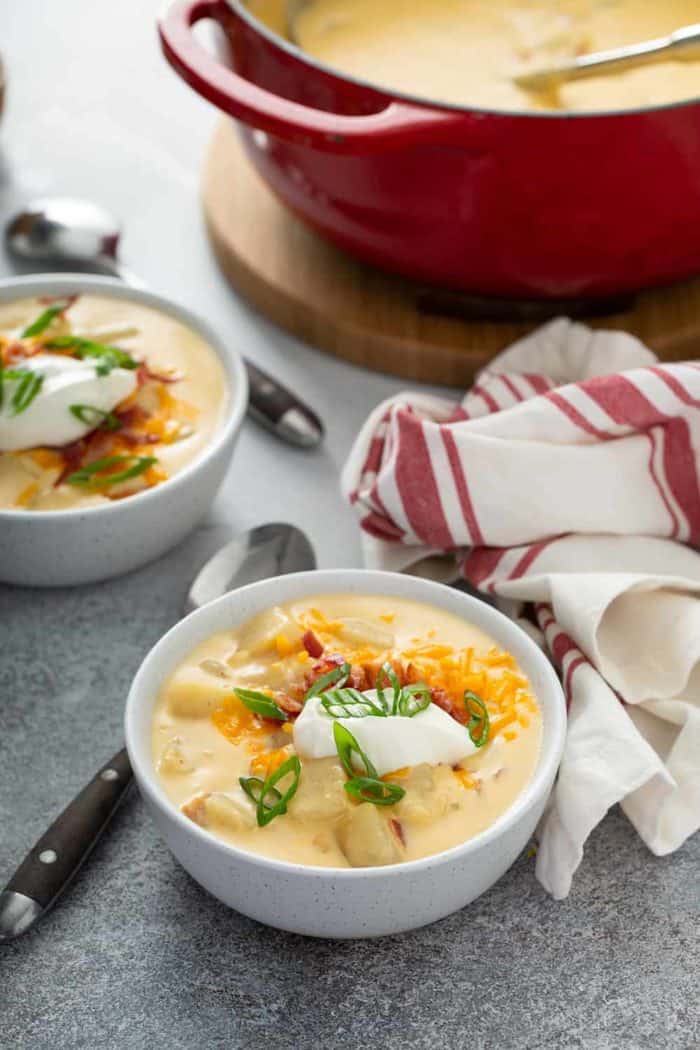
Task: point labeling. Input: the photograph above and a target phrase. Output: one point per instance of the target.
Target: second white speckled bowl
(64, 547)
(343, 902)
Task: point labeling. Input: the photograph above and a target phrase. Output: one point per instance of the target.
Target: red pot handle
(400, 124)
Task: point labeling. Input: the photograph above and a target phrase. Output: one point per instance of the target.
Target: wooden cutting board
(380, 321)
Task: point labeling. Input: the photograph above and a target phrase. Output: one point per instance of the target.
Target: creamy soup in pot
(467, 51)
(347, 730)
(100, 398)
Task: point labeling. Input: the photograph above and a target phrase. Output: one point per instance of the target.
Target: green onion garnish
(479, 724)
(414, 699)
(261, 703)
(254, 787)
(338, 677)
(9, 373)
(270, 803)
(346, 745)
(386, 671)
(95, 417)
(29, 385)
(44, 319)
(109, 357)
(350, 703)
(370, 789)
(89, 476)
(407, 700)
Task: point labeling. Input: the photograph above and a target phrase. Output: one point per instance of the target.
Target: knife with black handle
(56, 857)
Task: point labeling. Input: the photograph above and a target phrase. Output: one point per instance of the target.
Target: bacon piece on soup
(288, 703)
(312, 645)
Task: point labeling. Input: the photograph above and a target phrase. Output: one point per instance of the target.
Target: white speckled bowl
(342, 902)
(55, 548)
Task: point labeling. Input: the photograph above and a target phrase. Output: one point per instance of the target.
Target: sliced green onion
(414, 699)
(30, 383)
(254, 787)
(346, 745)
(337, 677)
(108, 357)
(261, 703)
(88, 477)
(479, 723)
(386, 671)
(350, 703)
(371, 789)
(265, 812)
(44, 319)
(95, 417)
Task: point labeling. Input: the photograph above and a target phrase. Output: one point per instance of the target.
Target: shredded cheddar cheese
(267, 762)
(240, 725)
(27, 494)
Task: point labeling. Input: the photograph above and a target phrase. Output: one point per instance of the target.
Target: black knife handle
(280, 411)
(55, 858)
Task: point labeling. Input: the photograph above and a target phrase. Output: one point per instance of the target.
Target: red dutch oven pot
(517, 205)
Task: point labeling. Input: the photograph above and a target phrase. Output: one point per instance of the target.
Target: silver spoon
(683, 44)
(48, 868)
(64, 230)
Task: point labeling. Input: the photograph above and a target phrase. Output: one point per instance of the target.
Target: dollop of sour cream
(432, 736)
(48, 419)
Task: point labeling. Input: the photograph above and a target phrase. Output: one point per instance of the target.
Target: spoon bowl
(262, 553)
(64, 229)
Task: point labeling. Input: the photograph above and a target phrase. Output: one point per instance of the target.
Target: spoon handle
(280, 411)
(683, 44)
(51, 864)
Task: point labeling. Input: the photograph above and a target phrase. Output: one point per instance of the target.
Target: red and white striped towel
(569, 478)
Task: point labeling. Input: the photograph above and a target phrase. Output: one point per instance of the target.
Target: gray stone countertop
(136, 955)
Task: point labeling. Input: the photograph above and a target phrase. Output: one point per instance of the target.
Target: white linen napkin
(568, 478)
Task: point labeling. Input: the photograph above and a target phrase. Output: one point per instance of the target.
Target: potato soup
(468, 51)
(347, 731)
(100, 398)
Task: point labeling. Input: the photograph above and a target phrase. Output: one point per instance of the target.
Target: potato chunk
(227, 812)
(366, 838)
(194, 693)
(175, 758)
(430, 792)
(220, 810)
(279, 674)
(259, 634)
(320, 795)
(365, 632)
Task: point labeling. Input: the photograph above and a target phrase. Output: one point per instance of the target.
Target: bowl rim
(240, 9)
(485, 616)
(230, 359)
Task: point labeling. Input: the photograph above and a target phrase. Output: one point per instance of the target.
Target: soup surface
(467, 51)
(101, 398)
(347, 731)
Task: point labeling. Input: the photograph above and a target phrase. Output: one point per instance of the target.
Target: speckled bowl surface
(55, 548)
(347, 902)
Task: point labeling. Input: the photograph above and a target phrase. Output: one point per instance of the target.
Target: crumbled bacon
(358, 678)
(129, 417)
(288, 703)
(401, 672)
(442, 699)
(47, 300)
(312, 645)
(136, 437)
(72, 456)
(397, 827)
(144, 373)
